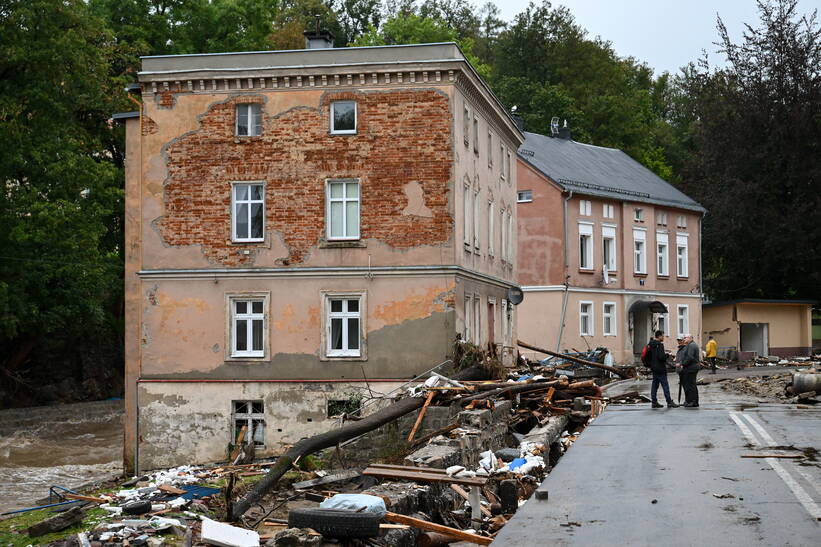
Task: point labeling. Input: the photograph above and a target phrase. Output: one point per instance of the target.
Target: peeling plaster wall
(185, 422)
(185, 327)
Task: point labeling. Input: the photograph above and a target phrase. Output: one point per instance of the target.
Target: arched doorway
(641, 318)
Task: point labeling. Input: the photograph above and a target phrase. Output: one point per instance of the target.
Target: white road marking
(799, 493)
(771, 442)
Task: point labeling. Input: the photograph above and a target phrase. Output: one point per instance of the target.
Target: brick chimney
(318, 39)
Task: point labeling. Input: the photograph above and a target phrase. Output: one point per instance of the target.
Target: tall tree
(60, 191)
(756, 157)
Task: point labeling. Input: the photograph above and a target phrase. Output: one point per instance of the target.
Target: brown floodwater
(65, 445)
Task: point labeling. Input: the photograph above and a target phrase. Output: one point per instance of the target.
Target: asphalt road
(689, 461)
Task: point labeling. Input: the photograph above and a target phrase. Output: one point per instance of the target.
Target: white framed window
(608, 211)
(343, 117)
(639, 251)
(585, 246)
(502, 167)
(344, 325)
(468, 213)
(468, 317)
(585, 207)
(662, 260)
(342, 215)
(251, 416)
(490, 148)
(248, 212)
(507, 321)
(608, 234)
(608, 325)
(466, 124)
(586, 318)
(475, 134)
(524, 196)
(681, 221)
(491, 217)
(247, 326)
(477, 320)
(661, 219)
(638, 214)
(248, 120)
(683, 319)
(682, 266)
(663, 323)
(477, 204)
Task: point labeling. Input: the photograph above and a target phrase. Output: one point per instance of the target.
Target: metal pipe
(566, 274)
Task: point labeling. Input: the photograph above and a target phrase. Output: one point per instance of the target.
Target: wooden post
(421, 415)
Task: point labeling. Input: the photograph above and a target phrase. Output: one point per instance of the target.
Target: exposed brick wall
(402, 136)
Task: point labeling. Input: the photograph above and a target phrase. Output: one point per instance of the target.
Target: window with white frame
(608, 211)
(681, 222)
(683, 319)
(477, 212)
(585, 207)
(662, 259)
(586, 318)
(608, 234)
(661, 219)
(343, 209)
(491, 214)
(477, 320)
(682, 267)
(343, 117)
(663, 323)
(639, 252)
(507, 320)
(609, 319)
(638, 214)
(344, 325)
(468, 214)
(505, 339)
(585, 246)
(468, 317)
(248, 212)
(476, 133)
(251, 416)
(490, 148)
(524, 196)
(247, 327)
(249, 120)
(466, 124)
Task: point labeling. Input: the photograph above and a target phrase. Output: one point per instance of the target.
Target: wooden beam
(574, 359)
(238, 444)
(84, 498)
(421, 416)
(461, 491)
(421, 477)
(431, 527)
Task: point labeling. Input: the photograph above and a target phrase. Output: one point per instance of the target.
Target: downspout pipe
(566, 275)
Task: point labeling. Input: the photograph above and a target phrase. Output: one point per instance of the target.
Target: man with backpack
(655, 358)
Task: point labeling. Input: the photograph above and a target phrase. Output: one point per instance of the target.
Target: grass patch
(13, 530)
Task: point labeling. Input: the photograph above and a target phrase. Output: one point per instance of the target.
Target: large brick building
(608, 251)
(299, 222)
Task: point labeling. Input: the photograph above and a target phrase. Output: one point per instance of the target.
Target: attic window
(638, 214)
(524, 196)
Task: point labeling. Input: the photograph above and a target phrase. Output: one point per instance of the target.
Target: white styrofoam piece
(225, 535)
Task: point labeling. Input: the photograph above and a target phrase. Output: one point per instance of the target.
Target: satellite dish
(515, 296)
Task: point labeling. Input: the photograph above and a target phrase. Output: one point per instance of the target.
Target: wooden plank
(408, 468)
(84, 498)
(168, 489)
(461, 491)
(433, 434)
(421, 477)
(345, 475)
(549, 396)
(421, 415)
(431, 527)
(238, 444)
(786, 456)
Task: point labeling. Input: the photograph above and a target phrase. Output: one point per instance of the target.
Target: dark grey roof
(758, 301)
(125, 115)
(599, 171)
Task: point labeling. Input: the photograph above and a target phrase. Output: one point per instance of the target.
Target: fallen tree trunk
(593, 364)
(328, 439)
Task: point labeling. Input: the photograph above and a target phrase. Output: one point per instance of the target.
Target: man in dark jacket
(658, 365)
(690, 365)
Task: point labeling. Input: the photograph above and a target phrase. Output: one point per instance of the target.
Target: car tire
(336, 523)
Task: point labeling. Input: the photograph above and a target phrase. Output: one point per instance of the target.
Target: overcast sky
(666, 34)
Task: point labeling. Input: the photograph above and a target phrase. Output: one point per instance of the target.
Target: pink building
(608, 251)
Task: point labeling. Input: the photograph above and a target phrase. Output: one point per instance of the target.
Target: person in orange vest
(711, 349)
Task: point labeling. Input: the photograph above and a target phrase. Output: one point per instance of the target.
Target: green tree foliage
(58, 269)
(755, 158)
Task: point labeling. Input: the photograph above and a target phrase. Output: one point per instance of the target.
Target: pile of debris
(801, 387)
(461, 482)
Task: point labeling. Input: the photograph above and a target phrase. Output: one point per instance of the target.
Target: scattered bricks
(435, 455)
